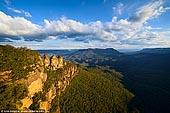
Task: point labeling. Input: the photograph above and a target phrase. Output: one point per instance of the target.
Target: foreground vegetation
(17, 60)
(95, 90)
(12, 94)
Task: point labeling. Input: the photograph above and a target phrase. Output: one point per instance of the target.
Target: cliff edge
(42, 78)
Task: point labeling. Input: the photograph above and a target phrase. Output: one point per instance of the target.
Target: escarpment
(59, 75)
(50, 79)
(42, 83)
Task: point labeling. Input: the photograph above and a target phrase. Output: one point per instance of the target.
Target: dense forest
(95, 90)
(17, 60)
(10, 95)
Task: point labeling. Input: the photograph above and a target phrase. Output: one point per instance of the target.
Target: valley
(146, 74)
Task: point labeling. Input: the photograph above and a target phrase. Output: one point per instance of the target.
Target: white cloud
(65, 25)
(27, 14)
(14, 10)
(149, 11)
(52, 37)
(8, 6)
(133, 32)
(16, 26)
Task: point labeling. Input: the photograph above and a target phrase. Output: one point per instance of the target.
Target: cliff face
(63, 71)
(66, 71)
(45, 81)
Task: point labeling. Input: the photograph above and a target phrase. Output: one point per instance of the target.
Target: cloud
(17, 27)
(65, 25)
(14, 10)
(149, 11)
(66, 28)
(131, 31)
(118, 9)
(27, 14)
(8, 6)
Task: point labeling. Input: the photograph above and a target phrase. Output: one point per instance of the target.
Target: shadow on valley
(146, 74)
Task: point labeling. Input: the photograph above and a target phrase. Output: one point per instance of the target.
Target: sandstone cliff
(43, 84)
(37, 79)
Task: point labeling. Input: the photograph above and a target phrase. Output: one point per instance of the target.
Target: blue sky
(73, 24)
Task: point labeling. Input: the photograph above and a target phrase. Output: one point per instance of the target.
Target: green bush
(10, 94)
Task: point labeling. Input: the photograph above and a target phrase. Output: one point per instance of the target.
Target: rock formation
(46, 61)
(54, 62)
(60, 61)
(38, 77)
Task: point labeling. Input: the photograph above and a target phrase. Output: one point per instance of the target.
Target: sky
(76, 24)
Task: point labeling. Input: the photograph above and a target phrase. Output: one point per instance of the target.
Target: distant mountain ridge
(56, 52)
(155, 50)
(67, 51)
(109, 52)
(101, 52)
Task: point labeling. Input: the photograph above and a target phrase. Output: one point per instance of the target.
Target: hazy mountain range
(146, 72)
